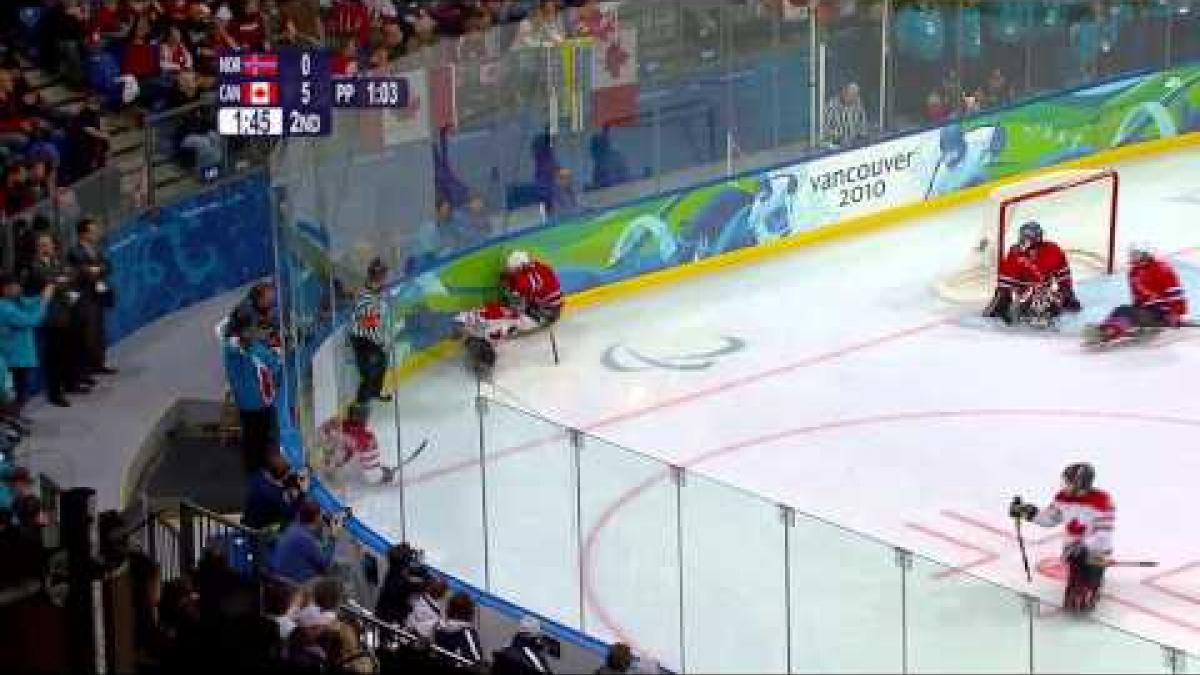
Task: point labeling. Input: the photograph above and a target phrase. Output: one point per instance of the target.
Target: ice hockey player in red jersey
(532, 300)
(532, 288)
(483, 327)
(349, 439)
(1089, 515)
(1035, 280)
(1158, 300)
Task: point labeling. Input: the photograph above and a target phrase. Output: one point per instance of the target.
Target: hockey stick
(553, 344)
(1131, 563)
(1021, 544)
(417, 452)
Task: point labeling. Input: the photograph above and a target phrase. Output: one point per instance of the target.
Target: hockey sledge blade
(1094, 337)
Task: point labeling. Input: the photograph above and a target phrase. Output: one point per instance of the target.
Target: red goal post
(1077, 209)
(1047, 186)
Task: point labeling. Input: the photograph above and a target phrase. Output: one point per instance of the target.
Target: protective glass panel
(839, 579)
(630, 524)
(734, 599)
(1065, 643)
(957, 623)
(531, 487)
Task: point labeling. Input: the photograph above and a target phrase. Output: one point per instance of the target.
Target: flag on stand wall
(443, 103)
(795, 10)
(615, 79)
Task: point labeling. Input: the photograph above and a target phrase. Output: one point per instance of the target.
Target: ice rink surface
(832, 380)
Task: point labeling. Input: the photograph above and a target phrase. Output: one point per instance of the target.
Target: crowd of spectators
(22, 519)
(52, 335)
(213, 617)
(52, 318)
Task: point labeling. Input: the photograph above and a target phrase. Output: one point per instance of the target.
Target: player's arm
(1055, 264)
(1010, 273)
(1098, 539)
(1048, 516)
(1168, 292)
(510, 290)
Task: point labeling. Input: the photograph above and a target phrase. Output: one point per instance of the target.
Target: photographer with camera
(406, 576)
(528, 651)
(273, 493)
(59, 341)
(305, 550)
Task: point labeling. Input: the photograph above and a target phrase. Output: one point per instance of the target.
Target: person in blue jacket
(305, 550)
(254, 369)
(19, 315)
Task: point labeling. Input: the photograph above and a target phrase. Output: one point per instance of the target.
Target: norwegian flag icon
(260, 65)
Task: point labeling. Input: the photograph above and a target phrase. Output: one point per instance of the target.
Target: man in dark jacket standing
(57, 335)
(95, 296)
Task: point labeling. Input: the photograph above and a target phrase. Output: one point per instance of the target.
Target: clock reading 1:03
(389, 93)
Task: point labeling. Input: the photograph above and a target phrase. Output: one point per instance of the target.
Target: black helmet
(377, 271)
(1031, 232)
(1079, 476)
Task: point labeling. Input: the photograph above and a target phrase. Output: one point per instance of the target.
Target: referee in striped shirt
(368, 335)
(845, 118)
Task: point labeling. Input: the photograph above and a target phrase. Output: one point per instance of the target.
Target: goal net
(1076, 209)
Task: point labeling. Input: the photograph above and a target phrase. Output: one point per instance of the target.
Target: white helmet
(517, 260)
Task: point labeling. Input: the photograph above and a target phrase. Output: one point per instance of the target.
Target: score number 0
(302, 123)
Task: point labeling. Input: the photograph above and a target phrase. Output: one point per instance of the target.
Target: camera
(551, 646)
(296, 480)
(339, 518)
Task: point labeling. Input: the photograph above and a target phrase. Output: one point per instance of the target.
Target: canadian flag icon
(260, 93)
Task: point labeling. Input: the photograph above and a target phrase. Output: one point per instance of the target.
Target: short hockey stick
(1021, 544)
(1131, 563)
(553, 344)
(417, 452)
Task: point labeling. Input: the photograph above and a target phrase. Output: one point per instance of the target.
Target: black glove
(1019, 509)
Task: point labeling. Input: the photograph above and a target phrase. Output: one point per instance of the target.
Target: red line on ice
(685, 398)
(594, 535)
(1151, 612)
(983, 525)
(986, 556)
(1155, 581)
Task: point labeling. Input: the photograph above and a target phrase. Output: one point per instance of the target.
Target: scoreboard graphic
(292, 93)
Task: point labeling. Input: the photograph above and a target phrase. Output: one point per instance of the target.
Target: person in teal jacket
(19, 315)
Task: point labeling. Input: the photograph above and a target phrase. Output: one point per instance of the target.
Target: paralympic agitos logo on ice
(626, 359)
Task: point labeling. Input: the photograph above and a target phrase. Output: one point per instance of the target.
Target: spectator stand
(181, 541)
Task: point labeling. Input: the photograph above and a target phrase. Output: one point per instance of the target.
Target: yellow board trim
(850, 227)
(863, 224)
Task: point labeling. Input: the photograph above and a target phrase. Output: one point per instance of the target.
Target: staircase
(128, 135)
